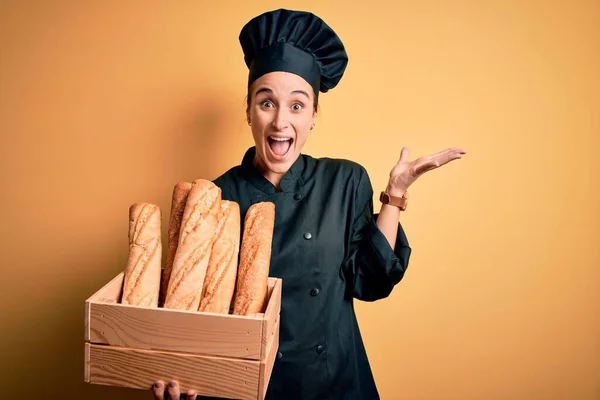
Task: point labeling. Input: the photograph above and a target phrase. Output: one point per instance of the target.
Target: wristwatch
(399, 202)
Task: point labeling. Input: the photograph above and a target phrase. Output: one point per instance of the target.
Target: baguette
(179, 199)
(255, 259)
(196, 238)
(221, 274)
(141, 284)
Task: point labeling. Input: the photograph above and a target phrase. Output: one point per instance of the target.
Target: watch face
(384, 198)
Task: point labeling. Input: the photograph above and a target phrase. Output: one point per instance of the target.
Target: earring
(312, 126)
(249, 123)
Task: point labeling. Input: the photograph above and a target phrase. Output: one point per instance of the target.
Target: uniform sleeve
(371, 267)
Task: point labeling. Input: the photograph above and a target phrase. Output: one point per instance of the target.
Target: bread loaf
(196, 238)
(255, 259)
(141, 283)
(178, 201)
(221, 274)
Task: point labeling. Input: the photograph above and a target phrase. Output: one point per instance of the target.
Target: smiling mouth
(279, 146)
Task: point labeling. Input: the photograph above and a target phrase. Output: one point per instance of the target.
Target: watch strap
(400, 202)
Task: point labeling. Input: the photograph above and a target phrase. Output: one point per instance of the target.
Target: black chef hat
(294, 41)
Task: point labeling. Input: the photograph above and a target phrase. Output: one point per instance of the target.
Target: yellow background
(107, 103)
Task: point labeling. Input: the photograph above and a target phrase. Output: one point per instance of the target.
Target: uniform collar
(289, 181)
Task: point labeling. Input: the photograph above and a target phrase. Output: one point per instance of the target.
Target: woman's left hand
(406, 172)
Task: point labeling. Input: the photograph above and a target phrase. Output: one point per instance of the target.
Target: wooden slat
(266, 365)
(175, 330)
(270, 285)
(87, 321)
(111, 292)
(209, 376)
(269, 363)
(86, 372)
(271, 315)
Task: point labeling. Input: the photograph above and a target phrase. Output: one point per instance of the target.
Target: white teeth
(279, 139)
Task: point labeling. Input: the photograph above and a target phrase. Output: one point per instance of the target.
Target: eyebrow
(261, 90)
(267, 90)
(301, 92)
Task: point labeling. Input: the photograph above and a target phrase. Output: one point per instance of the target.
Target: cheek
(258, 122)
(303, 125)
(255, 132)
(302, 131)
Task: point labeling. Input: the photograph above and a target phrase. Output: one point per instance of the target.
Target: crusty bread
(221, 274)
(196, 239)
(178, 201)
(255, 259)
(141, 283)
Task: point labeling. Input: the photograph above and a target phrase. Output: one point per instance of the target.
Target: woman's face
(280, 113)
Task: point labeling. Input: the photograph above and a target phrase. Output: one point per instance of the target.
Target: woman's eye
(266, 104)
(297, 106)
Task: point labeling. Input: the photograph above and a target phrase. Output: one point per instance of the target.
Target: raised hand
(406, 172)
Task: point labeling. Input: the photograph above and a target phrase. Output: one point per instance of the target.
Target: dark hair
(249, 100)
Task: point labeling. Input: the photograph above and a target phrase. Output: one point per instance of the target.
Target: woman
(328, 246)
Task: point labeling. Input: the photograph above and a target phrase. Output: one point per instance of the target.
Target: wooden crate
(217, 355)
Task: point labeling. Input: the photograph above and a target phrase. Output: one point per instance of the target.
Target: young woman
(328, 246)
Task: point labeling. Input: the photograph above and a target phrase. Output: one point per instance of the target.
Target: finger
(455, 155)
(446, 152)
(442, 153)
(459, 150)
(191, 395)
(424, 168)
(404, 153)
(433, 158)
(173, 390)
(159, 390)
(425, 164)
(436, 155)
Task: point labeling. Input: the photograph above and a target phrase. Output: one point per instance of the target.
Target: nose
(280, 120)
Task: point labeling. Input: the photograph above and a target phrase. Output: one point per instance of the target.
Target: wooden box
(219, 355)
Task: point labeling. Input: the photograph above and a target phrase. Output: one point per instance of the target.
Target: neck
(269, 175)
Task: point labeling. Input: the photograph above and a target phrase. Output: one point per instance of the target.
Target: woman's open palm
(406, 172)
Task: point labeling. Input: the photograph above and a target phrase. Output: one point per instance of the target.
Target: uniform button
(320, 349)
(297, 196)
(314, 292)
(307, 235)
(279, 355)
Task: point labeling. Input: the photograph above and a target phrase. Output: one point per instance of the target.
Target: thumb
(404, 154)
